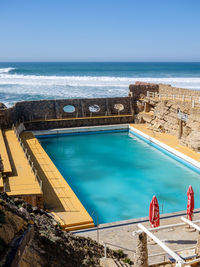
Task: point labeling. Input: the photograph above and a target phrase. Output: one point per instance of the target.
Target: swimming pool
(116, 174)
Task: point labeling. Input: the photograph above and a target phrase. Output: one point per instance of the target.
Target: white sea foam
(17, 87)
(97, 81)
(6, 70)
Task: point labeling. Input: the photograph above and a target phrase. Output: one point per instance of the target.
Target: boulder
(193, 140)
(2, 106)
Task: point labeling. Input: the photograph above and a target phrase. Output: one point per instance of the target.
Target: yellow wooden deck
(22, 181)
(58, 195)
(169, 140)
(83, 118)
(4, 154)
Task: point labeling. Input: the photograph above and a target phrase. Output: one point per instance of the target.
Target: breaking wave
(18, 87)
(6, 70)
(93, 81)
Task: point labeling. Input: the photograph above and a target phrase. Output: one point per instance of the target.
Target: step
(78, 227)
(1, 183)
(108, 262)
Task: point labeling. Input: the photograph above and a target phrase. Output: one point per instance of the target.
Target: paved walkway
(169, 140)
(177, 238)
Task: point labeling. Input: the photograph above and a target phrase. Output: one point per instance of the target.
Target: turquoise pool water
(116, 174)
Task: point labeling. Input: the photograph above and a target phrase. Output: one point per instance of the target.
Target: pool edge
(186, 160)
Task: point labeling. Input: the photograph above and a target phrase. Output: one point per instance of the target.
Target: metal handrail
(194, 99)
(97, 217)
(28, 157)
(54, 177)
(163, 253)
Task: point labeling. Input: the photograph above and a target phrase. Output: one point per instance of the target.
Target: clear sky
(99, 30)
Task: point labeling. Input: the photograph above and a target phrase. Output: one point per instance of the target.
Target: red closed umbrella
(154, 216)
(190, 203)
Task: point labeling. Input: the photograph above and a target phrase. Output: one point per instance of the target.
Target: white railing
(180, 262)
(27, 156)
(195, 100)
(20, 128)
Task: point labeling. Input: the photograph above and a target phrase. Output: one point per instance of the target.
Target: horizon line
(106, 61)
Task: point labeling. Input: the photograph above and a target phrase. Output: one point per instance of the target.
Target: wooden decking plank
(73, 212)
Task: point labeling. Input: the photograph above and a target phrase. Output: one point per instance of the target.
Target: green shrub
(120, 253)
(127, 260)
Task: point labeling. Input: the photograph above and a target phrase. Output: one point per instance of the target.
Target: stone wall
(27, 111)
(165, 119)
(139, 89)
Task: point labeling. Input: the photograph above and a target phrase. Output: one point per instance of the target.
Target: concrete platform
(22, 181)
(120, 234)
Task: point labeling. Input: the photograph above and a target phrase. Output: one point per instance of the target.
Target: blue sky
(100, 30)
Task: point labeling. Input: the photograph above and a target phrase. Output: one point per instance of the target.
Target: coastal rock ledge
(30, 236)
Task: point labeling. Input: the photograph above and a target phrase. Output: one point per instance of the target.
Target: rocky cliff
(30, 236)
(163, 117)
(164, 114)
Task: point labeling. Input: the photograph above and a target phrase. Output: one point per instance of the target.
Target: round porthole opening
(119, 107)
(69, 109)
(94, 108)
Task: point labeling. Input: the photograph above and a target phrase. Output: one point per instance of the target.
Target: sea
(56, 80)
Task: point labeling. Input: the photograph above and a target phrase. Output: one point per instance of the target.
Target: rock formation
(48, 245)
(162, 114)
(141, 255)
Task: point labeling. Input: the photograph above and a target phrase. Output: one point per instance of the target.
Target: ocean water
(116, 175)
(34, 81)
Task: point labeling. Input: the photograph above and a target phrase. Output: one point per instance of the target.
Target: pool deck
(58, 195)
(171, 141)
(120, 234)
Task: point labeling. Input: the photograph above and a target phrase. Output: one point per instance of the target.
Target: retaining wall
(78, 122)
